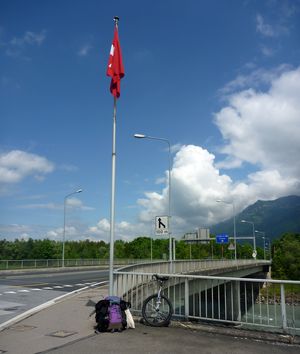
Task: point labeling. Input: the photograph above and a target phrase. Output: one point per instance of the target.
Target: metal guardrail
(264, 304)
(11, 264)
(190, 266)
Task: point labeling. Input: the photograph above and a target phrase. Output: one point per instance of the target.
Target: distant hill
(274, 217)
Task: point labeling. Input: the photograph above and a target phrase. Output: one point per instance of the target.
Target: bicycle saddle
(157, 277)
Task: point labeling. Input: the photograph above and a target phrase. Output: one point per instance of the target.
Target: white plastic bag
(129, 319)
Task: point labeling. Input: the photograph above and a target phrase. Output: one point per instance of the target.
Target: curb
(240, 333)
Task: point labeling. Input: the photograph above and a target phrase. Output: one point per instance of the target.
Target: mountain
(274, 217)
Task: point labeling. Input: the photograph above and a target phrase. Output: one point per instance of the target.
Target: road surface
(21, 292)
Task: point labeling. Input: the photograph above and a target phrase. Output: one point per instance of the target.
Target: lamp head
(139, 136)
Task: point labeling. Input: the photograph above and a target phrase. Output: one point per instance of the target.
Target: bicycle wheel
(157, 314)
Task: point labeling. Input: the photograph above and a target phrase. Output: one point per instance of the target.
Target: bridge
(236, 292)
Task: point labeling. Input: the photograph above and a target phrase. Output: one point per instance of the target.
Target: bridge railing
(12, 264)
(264, 304)
(190, 266)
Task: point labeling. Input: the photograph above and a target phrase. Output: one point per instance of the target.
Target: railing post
(186, 298)
(283, 308)
(236, 301)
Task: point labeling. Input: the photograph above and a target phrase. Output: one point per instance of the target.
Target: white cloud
(123, 230)
(16, 165)
(255, 79)
(57, 234)
(19, 231)
(263, 28)
(17, 45)
(196, 185)
(280, 27)
(84, 50)
(267, 51)
(77, 204)
(261, 128)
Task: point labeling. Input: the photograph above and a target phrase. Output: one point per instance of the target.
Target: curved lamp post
(143, 136)
(234, 223)
(64, 234)
(264, 238)
(253, 234)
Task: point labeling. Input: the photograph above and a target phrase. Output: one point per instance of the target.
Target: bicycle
(157, 309)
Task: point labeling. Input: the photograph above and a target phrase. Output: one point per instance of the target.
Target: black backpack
(102, 309)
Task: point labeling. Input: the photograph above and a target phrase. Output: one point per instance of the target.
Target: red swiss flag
(115, 68)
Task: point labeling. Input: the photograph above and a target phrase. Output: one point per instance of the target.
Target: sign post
(221, 239)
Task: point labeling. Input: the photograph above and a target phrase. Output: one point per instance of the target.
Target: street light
(253, 234)
(264, 238)
(234, 224)
(64, 234)
(143, 136)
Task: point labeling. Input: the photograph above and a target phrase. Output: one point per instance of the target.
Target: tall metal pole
(254, 239)
(169, 211)
(253, 235)
(64, 236)
(234, 232)
(234, 224)
(112, 210)
(143, 136)
(264, 238)
(64, 231)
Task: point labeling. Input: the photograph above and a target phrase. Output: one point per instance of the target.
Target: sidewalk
(67, 327)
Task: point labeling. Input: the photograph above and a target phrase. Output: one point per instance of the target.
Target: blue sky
(219, 79)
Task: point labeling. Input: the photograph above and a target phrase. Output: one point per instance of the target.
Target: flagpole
(112, 211)
(113, 188)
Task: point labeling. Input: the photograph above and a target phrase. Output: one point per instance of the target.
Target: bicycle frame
(158, 302)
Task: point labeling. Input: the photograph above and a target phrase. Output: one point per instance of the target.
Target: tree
(286, 260)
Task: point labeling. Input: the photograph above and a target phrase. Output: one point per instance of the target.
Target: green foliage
(285, 251)
(139, 248)
(286, 260)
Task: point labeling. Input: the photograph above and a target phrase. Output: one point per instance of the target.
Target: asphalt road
(21, 292)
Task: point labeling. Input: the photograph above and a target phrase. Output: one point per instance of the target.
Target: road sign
(222, 238)
(161, 225)
(231, 247)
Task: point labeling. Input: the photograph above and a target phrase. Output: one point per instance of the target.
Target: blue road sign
(222, 238)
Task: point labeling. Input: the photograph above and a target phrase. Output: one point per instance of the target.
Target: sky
(219, 80)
